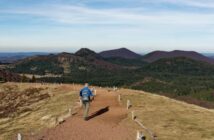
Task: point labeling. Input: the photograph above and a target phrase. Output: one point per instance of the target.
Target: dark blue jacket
(86, 89)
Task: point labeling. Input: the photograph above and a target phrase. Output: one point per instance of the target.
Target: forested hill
(177, 77)
(156, 55)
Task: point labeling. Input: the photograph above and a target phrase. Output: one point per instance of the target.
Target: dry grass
(41, 114)
(170, 119)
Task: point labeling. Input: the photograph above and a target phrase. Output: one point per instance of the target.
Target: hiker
(86, 96)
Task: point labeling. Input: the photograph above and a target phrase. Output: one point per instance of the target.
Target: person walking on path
(86, 96)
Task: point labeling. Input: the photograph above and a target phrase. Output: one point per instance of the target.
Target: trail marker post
(153, 136)
(140, 136)
(119, 98)
(80, 102)
(128, 104)
(19, 136)
(95, 92)
(69, 112)
(133, 115)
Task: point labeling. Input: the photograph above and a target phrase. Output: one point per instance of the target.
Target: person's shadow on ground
(99, 112)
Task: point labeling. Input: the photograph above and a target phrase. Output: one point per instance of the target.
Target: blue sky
(140, 25)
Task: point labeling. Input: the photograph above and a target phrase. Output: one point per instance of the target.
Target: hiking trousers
(86, 106)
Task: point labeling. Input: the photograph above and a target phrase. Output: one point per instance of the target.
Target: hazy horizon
(140, 25)
(141, 53)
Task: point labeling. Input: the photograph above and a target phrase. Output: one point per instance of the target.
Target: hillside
(63, 63)
(29, 108)
(170, 119)
(129, 63)
(156, 55)
(180, 65)
(110, 120)
(9, 76)
(121, 53)
(85, 64)
(181, 78)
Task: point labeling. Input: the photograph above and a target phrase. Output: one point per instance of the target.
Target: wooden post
(119, 98)
(19, 136)
(60, 120)
(69, 112)
(140, 136)
(95, 92)
(80, 103)
(153, 136)
(133, 115)
(128, 104)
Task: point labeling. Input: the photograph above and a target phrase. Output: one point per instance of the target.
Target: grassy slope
(171, 119)
(42, 113)
(168, 118)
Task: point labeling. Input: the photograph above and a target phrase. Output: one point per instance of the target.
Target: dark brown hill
(121, 53)
(156, 55)
(63, 63)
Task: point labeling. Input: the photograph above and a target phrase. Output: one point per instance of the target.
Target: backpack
(85, 96)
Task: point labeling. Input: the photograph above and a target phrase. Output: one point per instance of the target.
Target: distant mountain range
(121, 53)
(175, 73)
(90, 61)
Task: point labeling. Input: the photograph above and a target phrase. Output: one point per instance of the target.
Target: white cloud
(192, 3)
(69, 14)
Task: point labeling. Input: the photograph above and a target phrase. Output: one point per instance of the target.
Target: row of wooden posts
(140, 135)
(57, 121)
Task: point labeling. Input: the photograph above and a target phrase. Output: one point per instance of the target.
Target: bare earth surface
(104, 124)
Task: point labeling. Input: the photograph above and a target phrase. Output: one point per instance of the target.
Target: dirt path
(104, 124)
